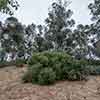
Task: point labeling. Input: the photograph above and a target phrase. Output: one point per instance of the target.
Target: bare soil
(12, 88)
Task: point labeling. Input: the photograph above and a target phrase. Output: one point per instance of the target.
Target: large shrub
(46, 67)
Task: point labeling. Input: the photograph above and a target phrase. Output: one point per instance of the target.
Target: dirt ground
(12, 88)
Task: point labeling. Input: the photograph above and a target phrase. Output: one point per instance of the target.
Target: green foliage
(46, 67)
(78, 72)
(27, 77)
(94, 27)
(59, 24)
(32, 74)
(12, 39)
(8, 6)
(81, 39)
(37, 57)
(94, 62)
(94, 69)
(94, 8)
(46, 76)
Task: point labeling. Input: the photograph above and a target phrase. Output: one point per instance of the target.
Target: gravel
(12, 88)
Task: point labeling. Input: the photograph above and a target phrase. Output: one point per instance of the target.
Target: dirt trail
(12, 88)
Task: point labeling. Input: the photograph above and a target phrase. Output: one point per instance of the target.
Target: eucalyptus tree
(81, 39)
(12, 37)
(8, 6)
(30, 32)
(95, 27)
(35, 40)
(59, 25)
(40, 42)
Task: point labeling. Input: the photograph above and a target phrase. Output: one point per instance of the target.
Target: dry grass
(12, 88)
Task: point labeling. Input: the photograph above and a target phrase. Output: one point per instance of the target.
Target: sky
(36, 11)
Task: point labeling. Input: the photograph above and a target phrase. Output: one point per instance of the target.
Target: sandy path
(11, 88)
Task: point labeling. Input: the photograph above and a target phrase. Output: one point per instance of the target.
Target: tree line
(18, 41)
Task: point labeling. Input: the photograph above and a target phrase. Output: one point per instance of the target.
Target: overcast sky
(36, 11)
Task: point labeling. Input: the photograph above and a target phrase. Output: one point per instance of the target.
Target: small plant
(27, 77)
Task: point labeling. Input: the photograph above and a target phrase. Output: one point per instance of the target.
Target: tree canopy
(8, 6)
(56, 34)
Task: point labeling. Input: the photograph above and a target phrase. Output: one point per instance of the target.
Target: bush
(93, 62)
(46, 76)
(27, 77)
(38, 58)
(46, 67)
(78, 73)
(32, 74)
(94, 70)
(58, 71)
(49, 58)
(97, 70)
